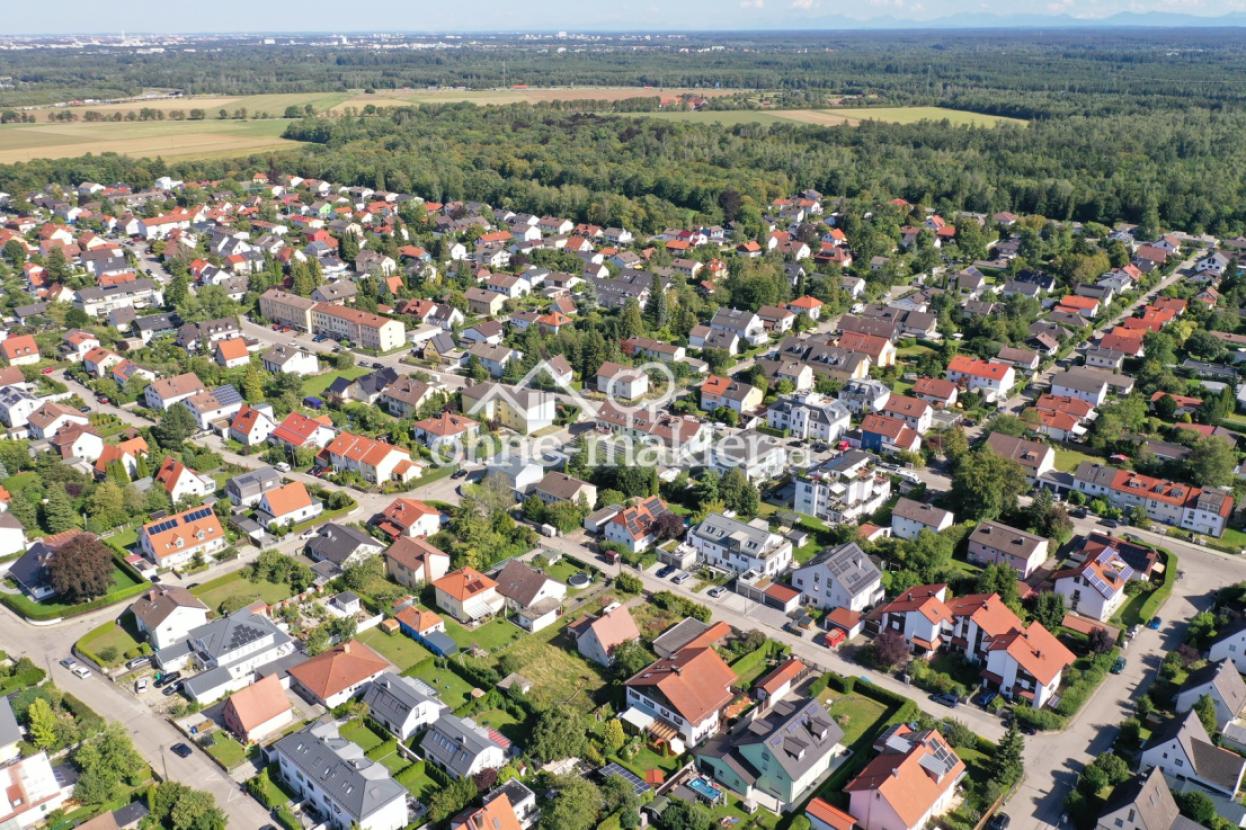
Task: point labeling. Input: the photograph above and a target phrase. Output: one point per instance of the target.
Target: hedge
(26, 607)
(1161, 594)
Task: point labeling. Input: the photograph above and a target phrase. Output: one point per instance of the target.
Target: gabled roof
(258, 703)
(912, 772)
(464, 584)
(695, 682)
(155, 606)
(338, 669)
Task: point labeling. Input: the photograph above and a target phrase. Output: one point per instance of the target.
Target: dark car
(173, 689)
(459, 474)
(84, 408)
(166, 679)
(181, 750)
(1118, 666)
(984, 698)
(1079, 513)
(666, 571)
(1154, 623)
(376, 364)
(1109, 523)
(946, 698)
(999, 821)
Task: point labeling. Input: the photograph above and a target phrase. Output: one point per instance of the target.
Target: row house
(1169, 502)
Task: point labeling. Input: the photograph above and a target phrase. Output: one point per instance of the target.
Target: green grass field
(209, 138)
(452, 689)
(213, 593)
(397, 648)
(317, 384)
(1067, 460)
(108, 644)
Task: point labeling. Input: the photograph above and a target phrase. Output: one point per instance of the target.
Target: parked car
(665, 571)
(166, 679)
(681, 577)
(84, 409)
(984, 698)
(138, 663)
(47, 370)
(81, 671)
(376, 364)
(1132, 632)
(793, 628)
(173, 689)
(946, 698)
(1109, 523)
(282, 467)
(1118, 666)
(458, 473)
(1078, 513)
(999, 821)
(69, 663)
(140, 685)
(181, 750)
(717, 591)
(1154, 623)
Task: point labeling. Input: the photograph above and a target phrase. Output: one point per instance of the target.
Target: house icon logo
(511, 396)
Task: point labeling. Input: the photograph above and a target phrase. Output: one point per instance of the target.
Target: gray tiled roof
(339, 769)
(454, 743)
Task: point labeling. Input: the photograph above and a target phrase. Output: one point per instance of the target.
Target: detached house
(177, 539)
(684, 693)
(736, 546)
(992, 542)
(166, 392)
(287, 505)
(843, 576)
(909, 518)
(181, 482)
(597, 637)
(468, 595)
(403, 705)
(910, 782)
(413, 562)
(167, 615)
(258, 711)
(339, 674)
(1096, 587)
(636, 526)
(992, 380)
(1182, 749)
(1219, 681)
(1035, 457)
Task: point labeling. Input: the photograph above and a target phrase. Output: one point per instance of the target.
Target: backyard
(397, 648)
(317, 384)
(234, 585)
(109, 644)
(492, 636)
(453, 690)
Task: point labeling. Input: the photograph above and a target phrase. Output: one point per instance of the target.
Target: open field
(834, 117)
(168, 139)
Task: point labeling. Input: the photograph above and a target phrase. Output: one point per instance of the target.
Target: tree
(1049, 610)
(890, 649)
(685, 815)
(1205, 708)
(196, 810)
(657, 309)
(42, 724)
(998, 578)
(986, 485)
(628, 659)
(1211, 462)
(614, 737)
(446, 801)
(58, 511)
(81, 568)
(559, 733)
(1010, 756)
(738, 493)
(253, 384)
(106, 762)
(176, 425)
(1197, 806)
(576, 804)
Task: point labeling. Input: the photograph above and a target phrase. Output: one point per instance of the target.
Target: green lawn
(417, 781)
(359, 733)
(397, 648)
(213, 593)
(124, 539)
(123, 587)
(646, 759)
(558, 675)
(510, 726)
(855, 714)
(491, 636)
(751, 666)
(226, 749)
(109, 636)
(317, 384)
(1067, 460)
(453, 690)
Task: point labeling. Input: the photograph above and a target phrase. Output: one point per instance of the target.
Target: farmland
(851, 116)
(166, 139)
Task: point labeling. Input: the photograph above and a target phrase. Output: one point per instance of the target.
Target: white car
(140, 685)
(81, 671)
(681, 577)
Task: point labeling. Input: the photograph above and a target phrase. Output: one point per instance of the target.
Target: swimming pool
(702, 787)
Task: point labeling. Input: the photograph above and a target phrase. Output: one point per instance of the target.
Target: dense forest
(1029, 74)
(1179, 169)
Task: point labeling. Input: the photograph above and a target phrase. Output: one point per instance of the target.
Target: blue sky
(572, 15)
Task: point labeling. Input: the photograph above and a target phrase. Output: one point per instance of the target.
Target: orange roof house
(338, 674)
(258, 710)
(408, 517)
(498, 814)
(912, 780)
(694, 683)
(468, 595)
(20, 349)
(176, 539)
(232, 352)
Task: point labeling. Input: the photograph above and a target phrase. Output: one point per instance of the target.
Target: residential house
(920, 615)
(335, 777)
(363, 328)
(222, 402)
(843, 576)
(686, 691)
(376, 461)
(1143, 803)
(936, 391)
(181, 482)
(523, 410)
(166, 392)
(224, 654)
(167, 614)
(245, 489)
(445, 432)
(290, 360)
(1230, 644)
(990, 379)
(1173, 503)
(557, 487)
(287, 505)
(534, 598)
(728, 543)
(20, 350)
(177, 539)
(843, 489)
(341, 545)
(1182, 749)
(883, 434)
(403, 705)
(776, 758)
(1096, 587)
(1083, 384)
(462, 748)
(621, 382)
(335, 676)
(50, 418)
(257, 711)
(992, 542)
(912, 781)
(252, 425)
(1219, 681)
(909, 518)
(468, 595)
(916, 413)
(297, 431)
(719, 392)
(32, 791)
(809, 415)
(408, 517)
(413, 562)
(287, 309)
(494, 359)
(638, 525)
(596, 637)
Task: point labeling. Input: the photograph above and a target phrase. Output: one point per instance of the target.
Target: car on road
(282, 467)
(458, 474)
(666, 571)
(140, 685)
(84, 408)
(946, 698)
(180, 750)
(717, 591)
(681, 577)
(1154, 623)
(81, 671)
(792, 628)
(69, 663)
(376, 364)
(1078, 513)
(999, 821)
(1118, 666)
(47, 370)
(1109, 523)
(1132, 632)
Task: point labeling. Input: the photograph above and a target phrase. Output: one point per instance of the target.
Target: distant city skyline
(83, 17)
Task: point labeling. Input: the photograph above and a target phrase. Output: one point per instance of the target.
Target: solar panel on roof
(638, 786)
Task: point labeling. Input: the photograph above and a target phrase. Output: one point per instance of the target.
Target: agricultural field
(166, 139)
(852, 116)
